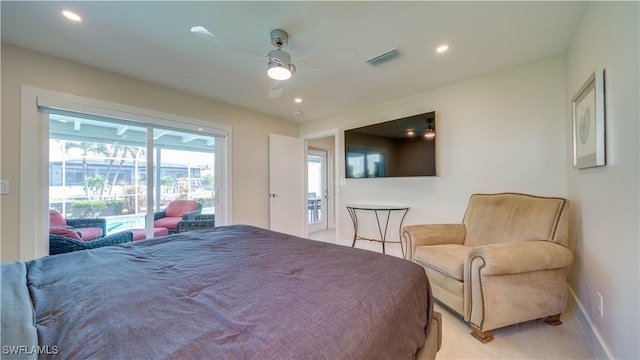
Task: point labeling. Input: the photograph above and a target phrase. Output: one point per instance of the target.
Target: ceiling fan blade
(275, 89)
(327, 59)
(204, 33)
(321, 68)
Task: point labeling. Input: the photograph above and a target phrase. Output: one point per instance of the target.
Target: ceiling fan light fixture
(277, 72)
(279, 65)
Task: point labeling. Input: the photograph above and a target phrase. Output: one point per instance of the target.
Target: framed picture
(588, 123)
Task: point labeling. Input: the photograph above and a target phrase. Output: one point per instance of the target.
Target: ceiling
(151, 41)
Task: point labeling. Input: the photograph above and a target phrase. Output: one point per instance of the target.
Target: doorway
(320, 174)
(317, 193)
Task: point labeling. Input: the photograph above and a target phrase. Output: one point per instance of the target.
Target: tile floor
(530, 340)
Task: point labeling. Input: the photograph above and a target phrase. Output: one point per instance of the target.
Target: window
(37, 173)
(98, 168)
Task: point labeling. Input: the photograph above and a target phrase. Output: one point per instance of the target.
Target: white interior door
(287, 188)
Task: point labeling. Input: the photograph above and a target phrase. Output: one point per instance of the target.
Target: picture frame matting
(588, 118)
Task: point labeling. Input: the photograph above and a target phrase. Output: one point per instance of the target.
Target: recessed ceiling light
(298, 100)
(71, 15)
(442, 48)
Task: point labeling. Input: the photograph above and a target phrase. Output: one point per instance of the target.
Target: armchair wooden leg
(482, 336)
(553, 320)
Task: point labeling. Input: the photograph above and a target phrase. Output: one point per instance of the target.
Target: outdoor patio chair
(61, 244)
(87, 228)
(176, 211)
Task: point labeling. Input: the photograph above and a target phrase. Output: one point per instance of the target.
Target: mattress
(233, 292)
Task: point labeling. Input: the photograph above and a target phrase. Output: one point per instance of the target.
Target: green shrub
(99, 208)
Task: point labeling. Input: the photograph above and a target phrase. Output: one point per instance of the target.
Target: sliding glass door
(185, 168)
(99, 167)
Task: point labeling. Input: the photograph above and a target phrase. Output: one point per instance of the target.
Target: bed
(233, 292)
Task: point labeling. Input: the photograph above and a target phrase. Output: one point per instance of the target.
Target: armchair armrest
(190, 225)
(520, 257)
(431, 234)
(113, 239)
(191, 215)
(60, 244)
(159, 215)
(89, 222)
(205, 217)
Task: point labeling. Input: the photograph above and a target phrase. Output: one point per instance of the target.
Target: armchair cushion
(90, 233)
(447, 259)
(169, 222)
(177, 208)
(510, 217)
(56, 219)
(65, 231)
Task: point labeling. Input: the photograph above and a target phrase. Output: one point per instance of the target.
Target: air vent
(384, 58)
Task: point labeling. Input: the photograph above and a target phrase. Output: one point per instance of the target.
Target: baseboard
(594, 339)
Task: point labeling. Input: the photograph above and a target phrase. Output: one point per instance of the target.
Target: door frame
(333, 218)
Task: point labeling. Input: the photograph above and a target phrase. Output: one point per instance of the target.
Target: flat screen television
(397, 148)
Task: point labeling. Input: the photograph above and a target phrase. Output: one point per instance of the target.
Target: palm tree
(112, 158)
(134, 152)
(88, 148)
(95, 183)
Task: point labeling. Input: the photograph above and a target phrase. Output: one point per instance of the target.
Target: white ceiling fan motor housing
(279, 38)
(279, 61)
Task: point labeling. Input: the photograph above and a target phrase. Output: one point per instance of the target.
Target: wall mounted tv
(397, 148)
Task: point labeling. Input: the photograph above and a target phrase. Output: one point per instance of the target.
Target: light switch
(4, 187)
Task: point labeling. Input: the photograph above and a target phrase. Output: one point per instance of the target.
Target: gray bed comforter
(234, 292)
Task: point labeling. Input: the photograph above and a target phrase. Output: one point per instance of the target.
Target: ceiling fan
(280, 67)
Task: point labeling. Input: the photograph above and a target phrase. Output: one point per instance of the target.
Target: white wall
(501, 132)
(511, 131)
(250, 129)
(606, 199)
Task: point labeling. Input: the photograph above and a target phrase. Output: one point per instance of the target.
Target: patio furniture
(314, 204)
(205, 221)
(176, 211)
(87, 228)
(61, 244)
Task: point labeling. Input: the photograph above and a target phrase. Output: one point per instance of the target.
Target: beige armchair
(505, 264)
